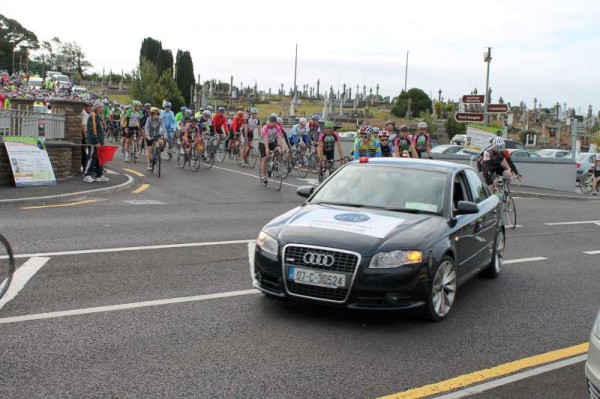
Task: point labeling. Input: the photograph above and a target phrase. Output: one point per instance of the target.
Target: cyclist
(154, 129)
(596, 174)
(366, 146)
(106, 110)
(421, 142)
(326, 147)
(205, 123)
(314, 129)
(132, 125)
(168, 118)
(180, 114)
(497, 162)
(237, 129)
(403, 143)
(386, 148)
(191, 132)
(271, 139)
(220, 124)
(299, 137)
(252, 122)
(390, 127)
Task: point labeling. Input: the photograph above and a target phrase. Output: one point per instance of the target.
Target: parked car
(383, 233)
(592, 364)
(447, 149)
(554, 153)
(585, 160)
(79, 90)
(523, 154)
(512, 144)
(62, 81)
(458, 139)
(35, 83)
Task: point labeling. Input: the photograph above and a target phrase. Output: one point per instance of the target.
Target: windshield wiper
(411, 210)
(339, 203)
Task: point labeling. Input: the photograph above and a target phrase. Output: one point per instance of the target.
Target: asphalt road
(183, 320)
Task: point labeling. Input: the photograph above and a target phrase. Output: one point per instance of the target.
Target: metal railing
(31, 124)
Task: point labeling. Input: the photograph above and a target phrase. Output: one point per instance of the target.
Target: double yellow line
(138, 174)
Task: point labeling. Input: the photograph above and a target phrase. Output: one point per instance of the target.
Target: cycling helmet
(220, 110)
(422, 125)
(88, 103)
(362, 130)
(390, 122)
(272, 118)
(188, 112)
(167, 104)
(193, 120)
(498, 142)
(253, 111)
(240, 114)
(280, 120)
(315, 117)
(404, 128)
(206, 113)
(369, 129)
(383, 134)
(329, 125)
(136, 103)
(210, 108)
(105, 101)
(302, 121)
(376, 130)
(147, 105)
(155, 110)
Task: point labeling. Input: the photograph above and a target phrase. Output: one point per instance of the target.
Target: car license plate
(316, 277)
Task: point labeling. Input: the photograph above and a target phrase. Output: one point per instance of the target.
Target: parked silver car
(585, 160)
(592, 365)
(554, 153)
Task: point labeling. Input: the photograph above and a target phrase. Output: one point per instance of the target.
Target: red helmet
(383, 134)
(240, 114)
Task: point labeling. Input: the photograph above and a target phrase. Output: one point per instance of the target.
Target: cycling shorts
(234, 135)
(329, 155)
(493, 172)
(262, 149)
(129, 131)
(597, 173)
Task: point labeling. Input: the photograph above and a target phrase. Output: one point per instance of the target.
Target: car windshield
(546, 153)
(62, 78)
(394, 188)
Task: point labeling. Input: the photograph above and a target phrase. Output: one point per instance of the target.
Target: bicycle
(112, 134)
(299, 161)
(251, 157)
(167, 154)
(328, 167)
(156, 156)
(274, 170)
(509, 211)
(133, 147)
(7, 265)
(221, 149)
(193, 158)
(207, 157)
(587, 181)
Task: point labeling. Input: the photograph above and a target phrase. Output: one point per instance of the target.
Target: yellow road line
(494, 372)
(135, 172)
(141, 188)
(60, 205)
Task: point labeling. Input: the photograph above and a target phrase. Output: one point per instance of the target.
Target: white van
(35, 83)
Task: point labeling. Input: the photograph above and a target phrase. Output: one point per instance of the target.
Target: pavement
(74, 187)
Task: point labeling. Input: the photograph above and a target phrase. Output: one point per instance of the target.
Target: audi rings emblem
(311, 258)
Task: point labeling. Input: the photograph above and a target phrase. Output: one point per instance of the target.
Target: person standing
(596, 174)
(85, 114)
(95, 138)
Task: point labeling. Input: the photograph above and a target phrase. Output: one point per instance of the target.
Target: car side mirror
(467, 208)
(305, 191)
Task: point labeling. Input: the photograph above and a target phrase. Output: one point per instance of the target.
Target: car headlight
(596, 328)
(267, 243)
(385, 260)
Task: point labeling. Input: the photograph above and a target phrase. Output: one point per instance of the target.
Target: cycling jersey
(190, 132)
(371, 148)
(492, 160)
(299, 133)
(270, 134)
(206, 126)
(220, 123)
(168, 118)
(314, 129)
(133, 118)
(115, 114)
(154, 127)
(403, 143)
(237, 124)
(386, 151)
(329, 140)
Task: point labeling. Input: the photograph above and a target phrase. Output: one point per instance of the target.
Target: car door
(488, 216)
(465, 233)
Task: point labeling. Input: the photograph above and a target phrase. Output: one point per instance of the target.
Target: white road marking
(512, 378)
(251, 249)
(566, 223)
(144, 202)
(125, 306)
(522, 260)
(21, 277)
(592, 252)
(248, 174)
(125, 249)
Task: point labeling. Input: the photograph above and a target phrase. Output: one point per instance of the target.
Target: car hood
(366, 231)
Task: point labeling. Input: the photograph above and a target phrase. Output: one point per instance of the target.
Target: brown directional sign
(468, 117)
(473, 99)
(499, 108)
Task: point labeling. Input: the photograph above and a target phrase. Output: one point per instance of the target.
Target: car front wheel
(442, 291)
(493, 270)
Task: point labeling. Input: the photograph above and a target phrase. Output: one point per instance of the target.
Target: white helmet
(302, 121)
(498, 142)
(422, 125)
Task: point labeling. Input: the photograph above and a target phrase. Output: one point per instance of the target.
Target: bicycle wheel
(181, 159)
(510, 211)
(277, 175)
(586, 183)
(195, 160)
(7, 265)
(284, 164)
(252, 157)
(207, 159)
(158, 161)
(221, 152)
(238, 155)
(313, 163)
(134, 150)
(301, 165)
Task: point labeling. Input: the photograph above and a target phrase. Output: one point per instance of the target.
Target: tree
(71, 58)
(143, 84)
(167, 90)
(184, 74)
(420, 102)
(453, 127)
(150, 50)
(14, 37)
(164, 61)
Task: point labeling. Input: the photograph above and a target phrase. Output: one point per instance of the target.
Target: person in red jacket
(237, 127)
(220, 124)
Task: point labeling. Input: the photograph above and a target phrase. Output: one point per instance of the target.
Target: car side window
(479, 190)
(459, 190)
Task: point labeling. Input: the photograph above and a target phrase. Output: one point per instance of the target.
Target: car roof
(439, 166)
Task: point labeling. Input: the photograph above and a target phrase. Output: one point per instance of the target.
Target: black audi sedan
(384, 233)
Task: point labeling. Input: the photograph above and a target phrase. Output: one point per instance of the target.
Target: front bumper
(386, 289)
(592, 367)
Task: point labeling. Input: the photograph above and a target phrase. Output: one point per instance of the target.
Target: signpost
(473, 99)
(468, 117)
(497, 108)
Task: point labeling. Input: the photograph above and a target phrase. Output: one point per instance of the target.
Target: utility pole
(487, 57)
(406, 71)
(295, 71)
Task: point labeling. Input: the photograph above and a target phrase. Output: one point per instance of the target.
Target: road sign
(473, 99)
(498, 108)
(468, 117)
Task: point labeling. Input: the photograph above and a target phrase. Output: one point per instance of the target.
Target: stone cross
(364, 92)
(377, 92)
(318, 85)
(231, 85)
(344, 92)
(350, 93)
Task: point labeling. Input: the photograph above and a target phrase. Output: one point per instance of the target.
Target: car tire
(441, 292)
(493, 270)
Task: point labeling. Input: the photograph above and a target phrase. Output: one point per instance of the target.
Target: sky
(547, 50)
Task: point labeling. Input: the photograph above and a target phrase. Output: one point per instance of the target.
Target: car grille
(344, 262)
